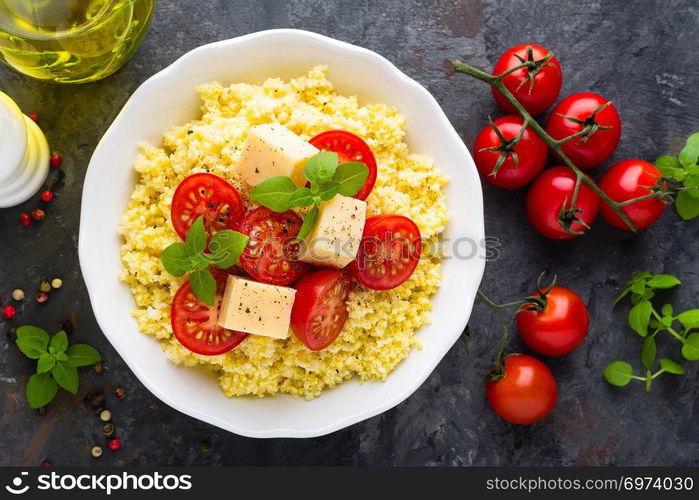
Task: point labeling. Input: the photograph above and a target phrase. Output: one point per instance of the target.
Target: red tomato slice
(195, 324)
(388, 253)
(210, 196)
(320, 308)
(271, 255)
(349, 147)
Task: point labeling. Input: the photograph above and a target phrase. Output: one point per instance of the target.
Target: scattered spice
(41, 410)
(105, 415)
(204, 446)
(96, 451)
(114, 444)
(25, 218)
(42, 297)
(11, 335)
(34, 116)
(98, 410)
(56, 283)
(120, 392)
(108, 429)
(38, 214)
(55, 160)
(9, 312)
(18, 294)
(45, 287)
(96, 399)
(98, 367)
(45, 464)
(47, 196)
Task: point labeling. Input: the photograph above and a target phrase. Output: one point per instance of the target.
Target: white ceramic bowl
(169, 98)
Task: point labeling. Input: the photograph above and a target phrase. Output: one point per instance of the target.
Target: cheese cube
(257, 308)
(273, 149)
(334, 240)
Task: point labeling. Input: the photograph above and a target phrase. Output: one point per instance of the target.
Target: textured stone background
(642, 54)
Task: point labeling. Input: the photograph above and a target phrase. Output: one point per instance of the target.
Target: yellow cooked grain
(380, 331)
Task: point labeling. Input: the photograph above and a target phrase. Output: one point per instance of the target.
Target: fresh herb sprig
(57, 363)
(190, 256)
(684, 170)
(648, 322)
(326, 178)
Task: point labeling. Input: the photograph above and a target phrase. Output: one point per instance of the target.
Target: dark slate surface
(642, 54)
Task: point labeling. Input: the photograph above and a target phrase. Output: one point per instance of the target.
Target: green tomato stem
(555, 145)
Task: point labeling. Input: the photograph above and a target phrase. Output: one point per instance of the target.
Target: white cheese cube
(334, 240)
(257, 308)
(273, 149)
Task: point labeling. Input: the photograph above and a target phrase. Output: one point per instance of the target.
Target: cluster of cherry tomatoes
(521, 388)
(587, 127)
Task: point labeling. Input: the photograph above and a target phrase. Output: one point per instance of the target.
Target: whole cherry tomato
(496, 140)
(559, 328)
(535, 87)
(592, 113)
(545, 199)
(525, 393)
(625, 181)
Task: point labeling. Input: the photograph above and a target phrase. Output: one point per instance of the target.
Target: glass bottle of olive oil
(71, 41)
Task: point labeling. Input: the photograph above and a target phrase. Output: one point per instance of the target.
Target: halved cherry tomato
(545, 200)
(531, 152)
(349, 147)
(536, 94)
(388, 253)
(526, 393)
(271, 255)
(627, 180)
(320, 308)
(559, 328)
(208, 195)
(195, 324)
(572, 115)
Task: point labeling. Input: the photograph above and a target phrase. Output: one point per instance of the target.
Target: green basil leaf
(328, 190)
(308, 223)
(351, 176)
(41, 389)
(648, 352)
(663, 281)
(667, 165)
(689, 319)
(670, 366)
(83, 355)
(226, 247)
(639, 316)
(321, 167)
(690, 153)
(176, 259)
(623, 294)
(196, 237)
(274, 193)
(46, 362)
(667, 310)
(638, 287)
(690, 350)
(204, 286)
(687, 206)
(301, 198)
(618, 373)
(32, 341)
(66, 375)
(59, 342)
(61, 356)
